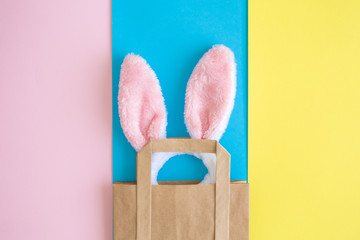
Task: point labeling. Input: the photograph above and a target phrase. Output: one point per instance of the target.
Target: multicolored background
(55, 119)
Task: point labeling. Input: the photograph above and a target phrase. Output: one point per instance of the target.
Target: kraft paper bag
(181, 210)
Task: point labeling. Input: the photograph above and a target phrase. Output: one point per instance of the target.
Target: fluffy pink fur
(141, 104)
(209, 101)
(210, 94)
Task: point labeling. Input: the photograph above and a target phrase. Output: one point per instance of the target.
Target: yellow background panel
(304, 119)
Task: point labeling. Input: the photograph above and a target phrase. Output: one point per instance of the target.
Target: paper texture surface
(181, 210)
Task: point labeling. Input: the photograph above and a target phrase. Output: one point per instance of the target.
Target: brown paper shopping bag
(182, 209)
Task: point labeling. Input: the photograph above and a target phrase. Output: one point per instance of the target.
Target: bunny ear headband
(209, 101)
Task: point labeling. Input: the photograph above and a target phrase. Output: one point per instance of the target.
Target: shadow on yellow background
(304, 119)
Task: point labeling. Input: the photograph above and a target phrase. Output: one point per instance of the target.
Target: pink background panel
(55, 120)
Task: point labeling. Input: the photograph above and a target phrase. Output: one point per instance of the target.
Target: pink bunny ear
(141, 104)
(210, 94)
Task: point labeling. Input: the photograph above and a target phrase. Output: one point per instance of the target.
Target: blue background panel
(172, 36)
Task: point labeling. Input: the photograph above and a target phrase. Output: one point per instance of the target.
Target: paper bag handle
(222, 186)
